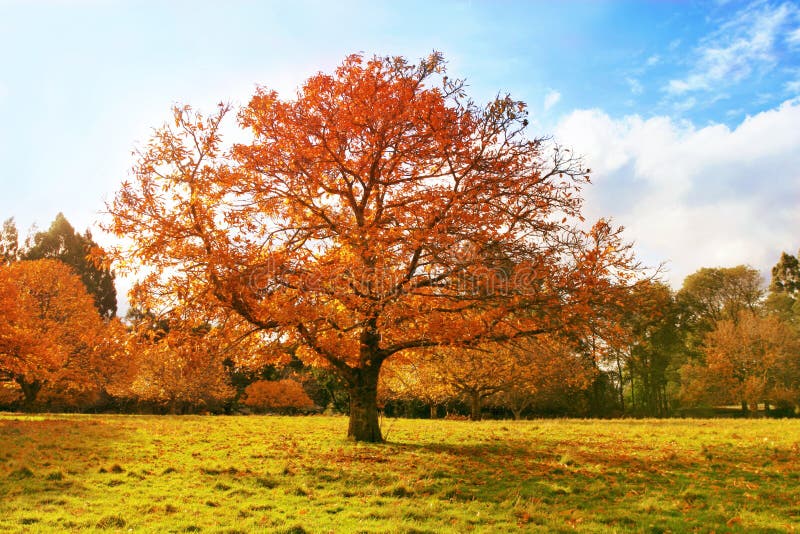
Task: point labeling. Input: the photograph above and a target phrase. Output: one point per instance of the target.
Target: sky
(688, 113)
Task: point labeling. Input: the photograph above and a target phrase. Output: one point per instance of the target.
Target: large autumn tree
(378, 211)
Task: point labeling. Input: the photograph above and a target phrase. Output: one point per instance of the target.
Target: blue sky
(688, 112)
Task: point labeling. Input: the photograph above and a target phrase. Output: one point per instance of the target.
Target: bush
(280, 395)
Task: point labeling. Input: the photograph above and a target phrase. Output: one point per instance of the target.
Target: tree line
(387, 244)
(724, 339)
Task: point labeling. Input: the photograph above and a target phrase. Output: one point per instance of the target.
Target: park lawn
(299, 474)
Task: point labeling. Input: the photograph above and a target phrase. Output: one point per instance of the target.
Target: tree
(413, 376)
(653, 350)
(377, 212)
(179, 364)
(49, 328)
(541, 370)
(9, 242)
(786, 276)
(286, 394)
(784, 289)
(714, 294)
(80, 252)
(745, 361)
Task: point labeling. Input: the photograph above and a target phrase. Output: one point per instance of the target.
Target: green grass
(283, 474)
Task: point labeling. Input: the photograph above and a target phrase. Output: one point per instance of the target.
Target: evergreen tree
(784, 289)
(61, 242)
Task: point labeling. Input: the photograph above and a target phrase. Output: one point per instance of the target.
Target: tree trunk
(363, 389)
(745, 409)
(30, 390)
(475, 406)
(517, 413)
(434, 411)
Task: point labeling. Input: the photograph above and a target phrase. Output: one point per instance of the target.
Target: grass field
(283, 474)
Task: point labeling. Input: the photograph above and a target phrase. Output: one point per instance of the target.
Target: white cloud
(655, 59)
(697, 197)
(793, 38)
(635, 85)
(792, 86)
(742, 44)
(551, 99)
(685, 105)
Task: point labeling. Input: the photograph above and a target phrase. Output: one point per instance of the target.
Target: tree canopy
(381, 210)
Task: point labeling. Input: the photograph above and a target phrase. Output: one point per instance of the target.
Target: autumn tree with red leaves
(380, 210)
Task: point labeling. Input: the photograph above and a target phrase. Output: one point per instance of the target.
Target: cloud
(551, 99)
(653, 60)
(741, 45)
(793, 38)
(697, 197)
(635, 85)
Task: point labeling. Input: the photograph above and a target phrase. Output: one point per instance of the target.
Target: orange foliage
(379, 211)
(50, 331)
(277, 395)
(176, 368)
(748, 360)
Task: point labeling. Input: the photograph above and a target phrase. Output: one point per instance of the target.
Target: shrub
(279, 395)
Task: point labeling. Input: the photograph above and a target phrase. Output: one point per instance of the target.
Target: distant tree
(278, 395)
(745, 362)
(9, 242)
(50, 330)
(415, 378)
(543, 370)
(654, 349)
(786, 276)
(178, 372)
(80, 252)
(715, 294)
(181, 364)
(784, 289)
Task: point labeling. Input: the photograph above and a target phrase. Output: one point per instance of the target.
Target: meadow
(299, 474)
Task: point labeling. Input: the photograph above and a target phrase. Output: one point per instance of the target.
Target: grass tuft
(111, 521)
(55, 475)
(266, 482)
(400, 491)
(21, 473)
